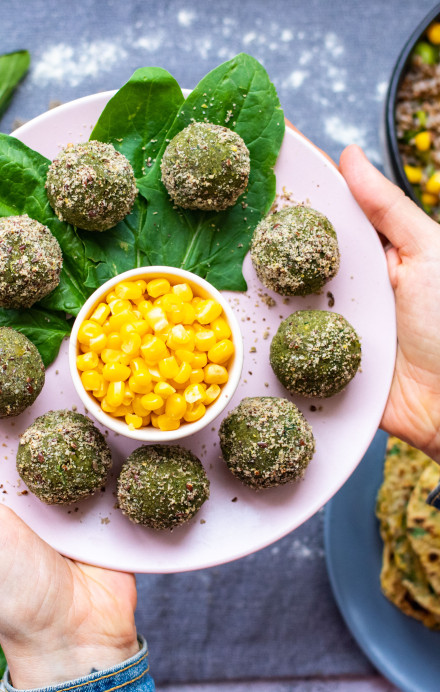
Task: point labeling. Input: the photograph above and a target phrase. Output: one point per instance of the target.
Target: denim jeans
(132, 675)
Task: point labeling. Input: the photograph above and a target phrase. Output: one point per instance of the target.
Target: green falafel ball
(162, 486)
(315, 353)
(266, 441)
(205, 166)
(91, 185)
(62, 457)
(21, 372)
(30, 261)
(295, 251)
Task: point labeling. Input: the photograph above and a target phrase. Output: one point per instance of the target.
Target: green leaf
(22, 179)
(139, 115)
(45, 328)
(13, 67)
(240, 95)
(2, 663)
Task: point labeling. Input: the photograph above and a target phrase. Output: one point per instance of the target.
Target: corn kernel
(102, 391)
(205, 339)
(136, 326)
(422, 141)
(128, 397)
(196, 376)
(429, 199)
(110, 297)
(131, 345)
(178, 337)
(138, 408)
(100, 314)
(116, 321)
(117, 306)
(164, 389)
(221, 352)
(183, 374)
(128, 290)
(144, 307)
(140, 383)
(183, 355)
(208, 310)
(215, 374)
(194, 412)
(157, 319)
(106, 406)
(122, 411)
(194, 392)
(158, 287)
(138, 365)
(153, 348)
(154, 373)
(413, 173)
(106, 327)
(88, 330)
(433, 183)
(152, 401)
(153, 418)
(188, 314)
(164, 422)
(111, 355)
(168, 367)
(97, 343)
(433, 33)
(115, 394)
(199, 360)
(133, 421)
(87, 361)
(91, 380)
(114, 340)
(183, 291)
(221, 328)
(211, 394)
(175, 406)
(114, 372)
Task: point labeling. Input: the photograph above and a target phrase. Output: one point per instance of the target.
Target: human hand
(412, 412)
(59, 618)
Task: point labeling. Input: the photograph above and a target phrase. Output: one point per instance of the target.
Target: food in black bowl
(412, 116)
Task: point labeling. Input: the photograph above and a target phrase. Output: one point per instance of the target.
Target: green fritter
(205, 166)
(91, 185)
(315, 353)
(295, 251)
(30, 261)
(21, 372)
(62, 457)
(162, 486)
(266, 441)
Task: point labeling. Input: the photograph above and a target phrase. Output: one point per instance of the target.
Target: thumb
(393, 214)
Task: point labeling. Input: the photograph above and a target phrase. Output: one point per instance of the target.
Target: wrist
(42, 663)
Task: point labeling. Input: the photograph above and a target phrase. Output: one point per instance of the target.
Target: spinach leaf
(2, 662)
(22, 179)
(45, 328)
(13, 67)
(138, 117)
(240, 95)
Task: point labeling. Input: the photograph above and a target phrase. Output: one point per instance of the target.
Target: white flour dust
(63, 63)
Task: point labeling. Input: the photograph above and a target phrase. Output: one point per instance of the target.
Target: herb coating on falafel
(21, 372)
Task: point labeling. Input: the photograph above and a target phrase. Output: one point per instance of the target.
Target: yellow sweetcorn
(212, 393)
(175, 406)
(215, 374)
(221, 328)
(158, 287)
(194, 412)
(164, 389)
(413, 173)
(154, 354)
(128, 290)
(204, 339)
(221, 351)
(429, 199)
(114, 372)
(423, 141)
(87, 361)
(208, 310)
(184, 292)
(115, 394)
(100, 313)
(433, 33)
(433, 184)
(91, 380)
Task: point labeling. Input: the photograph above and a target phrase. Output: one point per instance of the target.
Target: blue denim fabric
(131, 676)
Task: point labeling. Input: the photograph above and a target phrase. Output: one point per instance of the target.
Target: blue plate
(405, 651)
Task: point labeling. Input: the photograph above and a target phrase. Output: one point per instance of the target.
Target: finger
(400, 220)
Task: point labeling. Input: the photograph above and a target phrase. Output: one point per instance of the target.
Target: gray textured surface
(270, 616)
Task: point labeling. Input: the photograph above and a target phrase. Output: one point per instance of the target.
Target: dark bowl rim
(390, 102)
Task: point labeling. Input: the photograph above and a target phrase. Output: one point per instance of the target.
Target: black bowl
(392, 148)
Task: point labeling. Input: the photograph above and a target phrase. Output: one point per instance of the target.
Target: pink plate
(235, 521)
